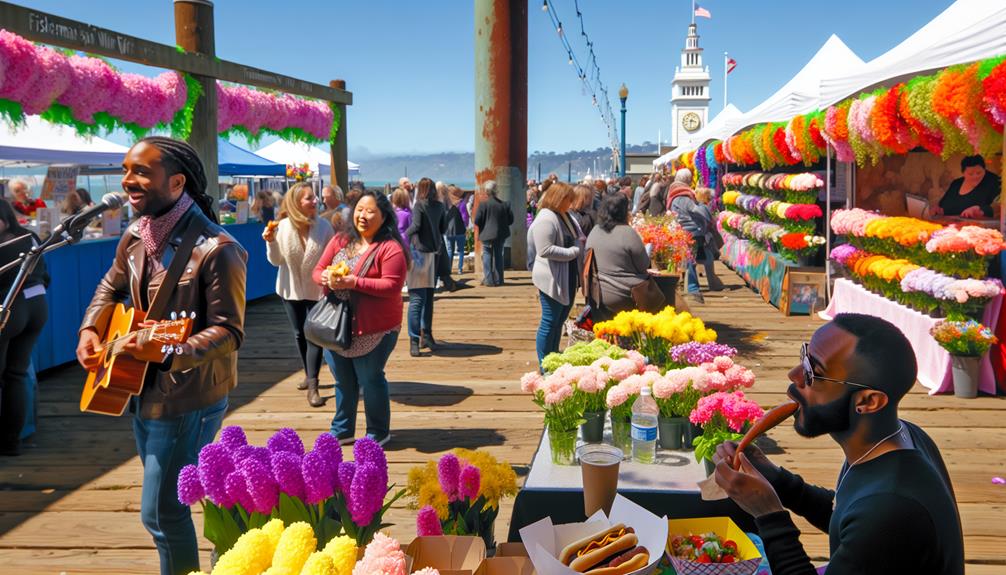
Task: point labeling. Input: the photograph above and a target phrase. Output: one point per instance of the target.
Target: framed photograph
(803, 292)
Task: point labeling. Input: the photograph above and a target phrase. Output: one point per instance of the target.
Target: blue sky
(410, 65)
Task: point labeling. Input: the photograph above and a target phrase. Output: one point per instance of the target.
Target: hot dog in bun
(611, 551)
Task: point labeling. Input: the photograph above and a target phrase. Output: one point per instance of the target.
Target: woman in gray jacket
(620, 256)
(555, 246)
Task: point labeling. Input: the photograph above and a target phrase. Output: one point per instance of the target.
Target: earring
(859, 410)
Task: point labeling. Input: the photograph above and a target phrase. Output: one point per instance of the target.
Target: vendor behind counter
(971, 195)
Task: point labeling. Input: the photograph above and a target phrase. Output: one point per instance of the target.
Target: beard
(832, 417)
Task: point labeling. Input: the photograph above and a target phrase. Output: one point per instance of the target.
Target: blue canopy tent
(236, 161)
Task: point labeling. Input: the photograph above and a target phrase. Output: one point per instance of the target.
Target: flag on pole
(731, 64)
(702, 12)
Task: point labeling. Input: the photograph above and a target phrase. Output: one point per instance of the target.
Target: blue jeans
(367, 373)
(492, 262)
(456, 244)
(165, 446)
(553, 316)
(692, 278)
(420, 311)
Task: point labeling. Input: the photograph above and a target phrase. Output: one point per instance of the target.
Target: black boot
(313, 397)
(414, 347)
(10, 445)
(427, 342)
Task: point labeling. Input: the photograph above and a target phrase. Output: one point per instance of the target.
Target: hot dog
(611, 551)
(772, 418)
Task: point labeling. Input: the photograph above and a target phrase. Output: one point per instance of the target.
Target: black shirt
(9, 253)
(953, 203)
(895, 514)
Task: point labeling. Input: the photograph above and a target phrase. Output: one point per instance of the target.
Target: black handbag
(329, 324)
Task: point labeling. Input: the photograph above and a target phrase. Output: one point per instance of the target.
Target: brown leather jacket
(213, 286)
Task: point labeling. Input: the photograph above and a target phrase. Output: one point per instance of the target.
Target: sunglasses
(809, 376)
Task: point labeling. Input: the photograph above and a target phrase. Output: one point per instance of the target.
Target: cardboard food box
(748, 556)
(448, 554)
(544, 541)
(506, 565)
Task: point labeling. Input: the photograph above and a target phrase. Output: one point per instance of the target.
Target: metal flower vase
(966, 371)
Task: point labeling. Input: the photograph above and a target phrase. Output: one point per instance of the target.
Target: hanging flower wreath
(88, 94)
(252, 113)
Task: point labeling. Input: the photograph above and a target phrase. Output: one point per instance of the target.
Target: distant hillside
(460, 166)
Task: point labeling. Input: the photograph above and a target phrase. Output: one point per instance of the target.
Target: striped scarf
(155, 231)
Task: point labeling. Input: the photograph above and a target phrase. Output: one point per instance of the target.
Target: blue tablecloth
(76, 271)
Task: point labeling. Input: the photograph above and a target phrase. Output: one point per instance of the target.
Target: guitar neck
(117, 345)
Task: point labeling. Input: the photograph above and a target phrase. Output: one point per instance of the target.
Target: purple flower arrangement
(242, 486)
(695, 353)
(944, 287)
(466, 509)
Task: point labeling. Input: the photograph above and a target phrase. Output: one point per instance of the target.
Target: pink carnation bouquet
(556, 395)
(676, 393)
(722, 417)
(722, 374)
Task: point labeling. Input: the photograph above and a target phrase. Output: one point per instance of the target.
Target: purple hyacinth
(346, 473)
(214, 465)
(366, 494)
(428, 523)
(469, 482)
(694, 353)
(328, 446)
(366, 451)
(237, 489)
(190, 489)
(449, 472)
(233, 437)
(261, 485)
(286, 439)
(286, 470)
(320, 481)
(262, 454)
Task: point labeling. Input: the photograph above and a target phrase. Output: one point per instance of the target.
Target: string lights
(591, 76)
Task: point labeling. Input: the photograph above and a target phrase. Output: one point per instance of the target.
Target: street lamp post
(623, 95)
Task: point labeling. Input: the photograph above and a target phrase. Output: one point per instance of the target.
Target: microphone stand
(70, 234)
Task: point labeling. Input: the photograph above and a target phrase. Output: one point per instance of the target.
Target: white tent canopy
(709, 132)
(38, 142)
(967, 31)
(284, 152)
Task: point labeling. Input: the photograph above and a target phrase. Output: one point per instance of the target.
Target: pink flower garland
(254, 110)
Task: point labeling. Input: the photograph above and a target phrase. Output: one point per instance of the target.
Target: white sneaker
(347, 441)
(440, 284)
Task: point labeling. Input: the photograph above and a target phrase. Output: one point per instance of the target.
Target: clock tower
(689, 91)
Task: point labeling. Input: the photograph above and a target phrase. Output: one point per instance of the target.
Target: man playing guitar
(184, 398)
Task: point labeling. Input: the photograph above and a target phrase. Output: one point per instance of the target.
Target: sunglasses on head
(809, 376)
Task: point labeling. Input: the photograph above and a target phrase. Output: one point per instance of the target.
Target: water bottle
(644, 427)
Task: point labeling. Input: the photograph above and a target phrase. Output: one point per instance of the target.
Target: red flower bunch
(814, 129)
(718, 153)
(994, 94)
(803, 212)
(889, 128)
(781, 148)
(794, 241)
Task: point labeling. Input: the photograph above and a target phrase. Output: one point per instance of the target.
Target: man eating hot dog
(893, 508)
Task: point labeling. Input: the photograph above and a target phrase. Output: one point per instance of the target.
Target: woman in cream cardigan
(295, 246)
(555, 255)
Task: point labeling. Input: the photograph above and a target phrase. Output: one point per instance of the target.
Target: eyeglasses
(809, 376)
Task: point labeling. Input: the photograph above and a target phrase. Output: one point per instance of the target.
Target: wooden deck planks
(71, 503)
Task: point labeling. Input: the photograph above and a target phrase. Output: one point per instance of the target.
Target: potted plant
(967, 341)
(669, 247)
(676, 397)
(563, 411)
(722, 417)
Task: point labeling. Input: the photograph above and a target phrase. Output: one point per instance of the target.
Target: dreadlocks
(179, 157)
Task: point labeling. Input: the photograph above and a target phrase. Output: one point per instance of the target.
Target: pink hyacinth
(190, 490)
(383, 556)
(531, 382)
(470, 482)
(449, 474)
(428, 523)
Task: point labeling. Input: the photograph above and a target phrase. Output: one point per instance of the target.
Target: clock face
(691, 121)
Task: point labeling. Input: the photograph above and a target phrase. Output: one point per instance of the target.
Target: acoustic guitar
(119, 375)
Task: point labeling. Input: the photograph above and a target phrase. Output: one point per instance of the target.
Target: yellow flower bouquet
(653, 335)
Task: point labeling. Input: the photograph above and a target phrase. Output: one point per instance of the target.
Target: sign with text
(59, 181)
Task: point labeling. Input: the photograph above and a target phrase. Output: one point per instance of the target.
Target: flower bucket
(672, 429)
(691, 432)
(621, 437)
(668, 284)
(562, 444)
(966, 370)
(592, 430)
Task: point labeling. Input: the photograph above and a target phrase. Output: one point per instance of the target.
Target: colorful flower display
(966, 338)
(653, 335)
(722, 416)
(583, 353)
(670, 245)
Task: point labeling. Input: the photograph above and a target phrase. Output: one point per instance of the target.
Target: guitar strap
(196, 227)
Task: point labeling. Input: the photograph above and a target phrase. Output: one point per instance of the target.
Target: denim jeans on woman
(553, 319)
(366, 373)
(166, 446)
(456, 245)
(420, 311)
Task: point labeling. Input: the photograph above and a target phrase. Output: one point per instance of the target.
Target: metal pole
(726, 65)
(194, 33)
(827, 224)
(569, 171)
(622, 170)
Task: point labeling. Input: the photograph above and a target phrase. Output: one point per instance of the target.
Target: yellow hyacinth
(249, 556)
(319, 563)
(498, 480)
(274, 529)
(295, 546)
(342, 550)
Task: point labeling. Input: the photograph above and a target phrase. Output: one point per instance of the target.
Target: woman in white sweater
(295, 246)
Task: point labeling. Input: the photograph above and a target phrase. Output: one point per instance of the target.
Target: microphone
(110, 201)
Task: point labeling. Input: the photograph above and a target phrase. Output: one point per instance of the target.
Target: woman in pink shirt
(376, 296)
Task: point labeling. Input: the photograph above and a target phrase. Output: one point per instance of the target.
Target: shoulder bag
(647, 296)
(329, 324)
